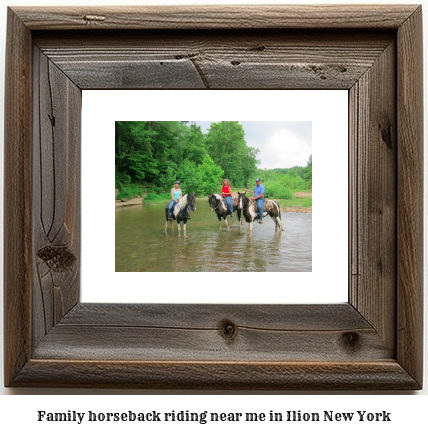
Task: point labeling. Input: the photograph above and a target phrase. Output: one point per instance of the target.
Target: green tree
(211, 176)
(189, 176)
(158, 153)
(226, 145)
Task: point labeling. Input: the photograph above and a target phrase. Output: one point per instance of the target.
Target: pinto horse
(180, 211)
(221, 208)
(272, 208)
(249, 210)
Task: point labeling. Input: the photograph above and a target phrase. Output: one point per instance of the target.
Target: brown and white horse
(249, 210)
(217, 204)
(272, 208)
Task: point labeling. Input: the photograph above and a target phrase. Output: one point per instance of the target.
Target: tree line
(156, 153)
(280, 183)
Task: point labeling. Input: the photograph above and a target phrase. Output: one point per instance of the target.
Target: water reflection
(142, 244)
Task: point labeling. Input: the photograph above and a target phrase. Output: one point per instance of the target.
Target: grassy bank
(300, 202)
(131, 191)
(297, 201)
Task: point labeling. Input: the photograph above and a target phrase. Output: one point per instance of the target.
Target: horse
(273, 211)
(249, 210)
(221, 208)
(180, 211)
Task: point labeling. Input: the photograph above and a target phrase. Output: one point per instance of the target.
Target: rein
(187, 206)
(246, 209)
(219, 203)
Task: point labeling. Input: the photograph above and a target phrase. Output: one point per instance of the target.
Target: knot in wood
(58, 259)
(227, 329)
(351, 340)
(386, 134)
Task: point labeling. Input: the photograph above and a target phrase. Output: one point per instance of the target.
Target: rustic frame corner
(372, 342)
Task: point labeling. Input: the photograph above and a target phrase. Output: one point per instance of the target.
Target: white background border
(328, 281)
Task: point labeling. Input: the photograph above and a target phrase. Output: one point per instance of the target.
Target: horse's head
(211, 202)
(242, 199)
(191, 201)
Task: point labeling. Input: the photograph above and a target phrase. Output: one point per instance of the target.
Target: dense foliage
(226, 145)
(279, 183)
(157, 153)
(154, 154)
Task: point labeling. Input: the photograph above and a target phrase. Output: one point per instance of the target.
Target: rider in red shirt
(226, 192)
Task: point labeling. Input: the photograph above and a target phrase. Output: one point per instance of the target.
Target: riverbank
(301, 202)
(120, 203)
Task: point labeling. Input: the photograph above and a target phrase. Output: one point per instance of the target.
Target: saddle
(184, 212)
(254, 208)
(268, 205)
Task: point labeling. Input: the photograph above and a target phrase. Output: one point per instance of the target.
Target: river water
(143, 245)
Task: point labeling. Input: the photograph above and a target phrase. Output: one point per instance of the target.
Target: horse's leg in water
(272, 216)
(225, 220)
(239, 217)
(279, 224)
(278, 217)
(219, 221)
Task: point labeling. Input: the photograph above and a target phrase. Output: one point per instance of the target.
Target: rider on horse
(259, 192)
(226, 192)
(176, 195)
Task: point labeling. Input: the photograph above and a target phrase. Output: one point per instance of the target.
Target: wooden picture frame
(372, 342)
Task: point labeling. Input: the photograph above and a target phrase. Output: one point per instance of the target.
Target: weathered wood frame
(372, 342)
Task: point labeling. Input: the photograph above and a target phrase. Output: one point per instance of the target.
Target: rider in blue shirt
(259, 193)
(175, 196)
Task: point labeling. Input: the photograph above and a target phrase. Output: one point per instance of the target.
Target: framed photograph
(53, 339)
(139, 242)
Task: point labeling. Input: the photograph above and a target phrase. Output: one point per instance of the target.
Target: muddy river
(143, 245)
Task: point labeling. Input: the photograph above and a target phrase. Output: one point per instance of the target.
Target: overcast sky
(281, 144)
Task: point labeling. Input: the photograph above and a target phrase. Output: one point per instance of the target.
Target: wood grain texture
(217, 17)
(56, 194)
(17, 199)
(372, 342)
(216, 375)
(410, 196)
(373, 178)
(216, 59)
(199, 332)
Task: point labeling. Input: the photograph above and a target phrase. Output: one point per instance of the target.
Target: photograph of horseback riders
(213, 196)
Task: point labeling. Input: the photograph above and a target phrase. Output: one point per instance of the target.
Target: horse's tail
(279, 209)
(280, 218)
